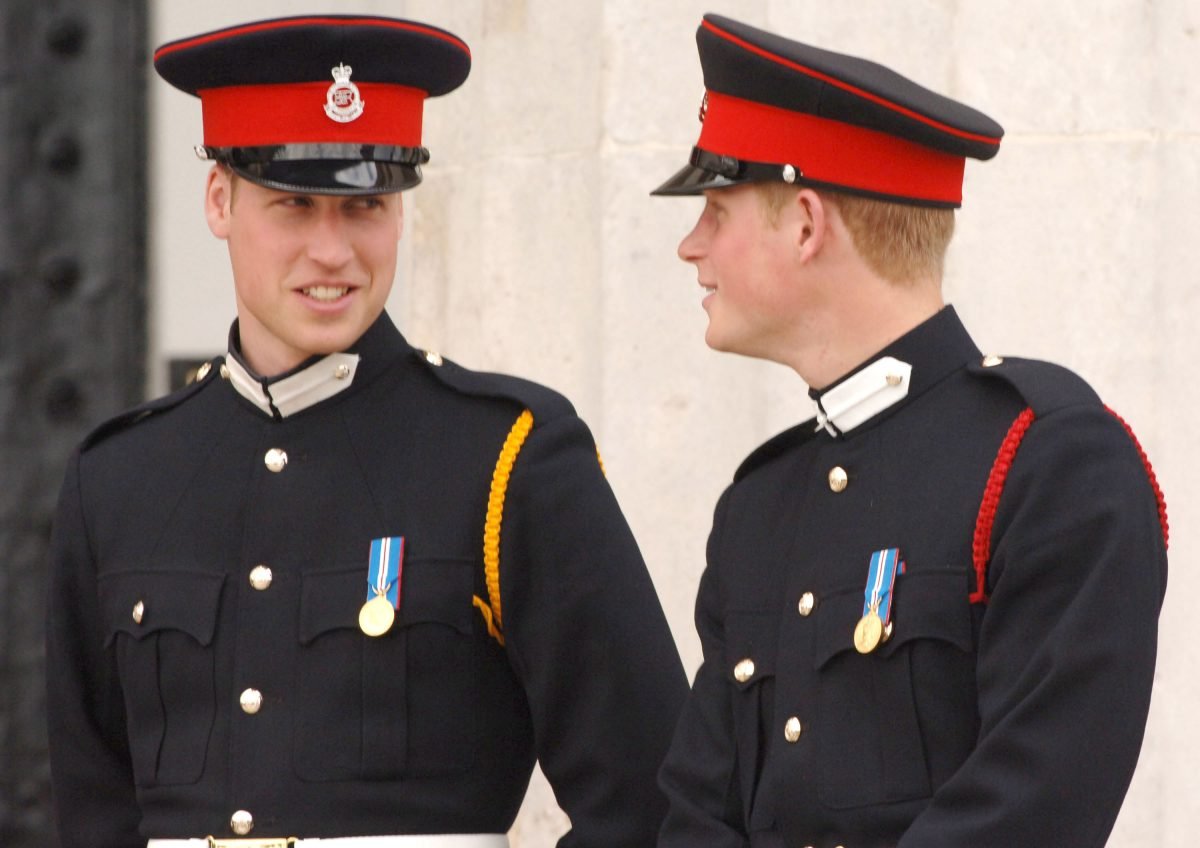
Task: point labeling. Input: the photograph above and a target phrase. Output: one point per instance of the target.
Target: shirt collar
(316, 379)
(906, 368)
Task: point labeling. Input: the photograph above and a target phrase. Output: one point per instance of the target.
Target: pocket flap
(143, 602)
(431, 590)
(927, 605)
(750, 647)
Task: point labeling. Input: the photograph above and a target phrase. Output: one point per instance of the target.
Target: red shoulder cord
(1158, 495)
(981, 548)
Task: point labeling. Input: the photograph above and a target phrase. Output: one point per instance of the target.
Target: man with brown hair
(909, 616)
(341, 591)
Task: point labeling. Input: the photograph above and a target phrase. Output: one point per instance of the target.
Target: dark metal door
(72, 317)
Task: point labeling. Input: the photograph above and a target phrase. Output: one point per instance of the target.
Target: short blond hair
(899, 242)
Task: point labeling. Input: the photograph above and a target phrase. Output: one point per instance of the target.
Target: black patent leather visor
(707, 170)
(710, 170)
(350, 169)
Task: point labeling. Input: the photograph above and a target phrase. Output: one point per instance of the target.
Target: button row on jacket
(251, 700)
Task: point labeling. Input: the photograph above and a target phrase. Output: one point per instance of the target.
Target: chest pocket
(398, 705)
(751, 641)
(872, 734)
(160, 626)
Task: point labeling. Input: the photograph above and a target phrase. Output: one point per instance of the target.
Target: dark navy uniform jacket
(1008, 705)
(156, 627)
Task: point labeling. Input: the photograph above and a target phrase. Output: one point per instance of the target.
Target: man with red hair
(929, 616)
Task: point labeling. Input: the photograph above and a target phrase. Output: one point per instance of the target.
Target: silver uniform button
(260, 577)
(276, 459)
(991, 360)
(433, 358)
(139, 610)
(251, 701)
(241, 822)
(744, 670)
(342, 372)
(224, 372)
(838, 479)
(808, 602)
(792, 729)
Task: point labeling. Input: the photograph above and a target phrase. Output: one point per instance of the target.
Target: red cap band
(264, 115)
(830, 151)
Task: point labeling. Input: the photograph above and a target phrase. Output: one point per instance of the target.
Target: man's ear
(812, 220)
(218, 200)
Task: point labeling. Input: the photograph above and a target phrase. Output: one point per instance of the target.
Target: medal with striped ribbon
(385, 570)
(875, 626)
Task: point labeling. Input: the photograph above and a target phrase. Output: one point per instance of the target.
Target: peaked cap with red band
(776, 109)
(325, 104)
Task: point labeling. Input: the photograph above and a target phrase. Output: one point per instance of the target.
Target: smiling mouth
(707, 289)
(326, 294)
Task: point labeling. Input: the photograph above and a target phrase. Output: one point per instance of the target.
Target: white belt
(440, 840)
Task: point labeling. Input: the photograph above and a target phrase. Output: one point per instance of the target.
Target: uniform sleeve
(91, 775)
(699, 775)
(1066, 647)
(587, 637)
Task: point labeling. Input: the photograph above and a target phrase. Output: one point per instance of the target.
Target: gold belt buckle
(278, 842)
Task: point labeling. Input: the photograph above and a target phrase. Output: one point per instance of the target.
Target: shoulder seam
(543, 402)
(142, 411)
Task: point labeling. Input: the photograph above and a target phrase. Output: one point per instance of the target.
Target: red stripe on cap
(260, 115)
(830, 151)
(845, 86)
(221, 35)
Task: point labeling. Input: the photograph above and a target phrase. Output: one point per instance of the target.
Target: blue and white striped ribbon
(387, 561)
(877, 597)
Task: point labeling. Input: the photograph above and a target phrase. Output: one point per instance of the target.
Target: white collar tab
(862, 396)
(296, 392)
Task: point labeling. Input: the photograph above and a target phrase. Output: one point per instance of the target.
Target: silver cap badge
(343, 103)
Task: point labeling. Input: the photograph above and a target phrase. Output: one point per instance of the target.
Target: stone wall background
(533, 247)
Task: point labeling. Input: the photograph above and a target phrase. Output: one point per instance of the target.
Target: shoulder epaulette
(129, 417)
(538, 404)
(545, 403)
(1044, 386)
(775, 446)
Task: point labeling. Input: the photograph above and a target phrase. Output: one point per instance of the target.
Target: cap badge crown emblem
(343, 103)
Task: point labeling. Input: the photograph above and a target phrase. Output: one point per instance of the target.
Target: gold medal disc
(867, 633)
(376, 616)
